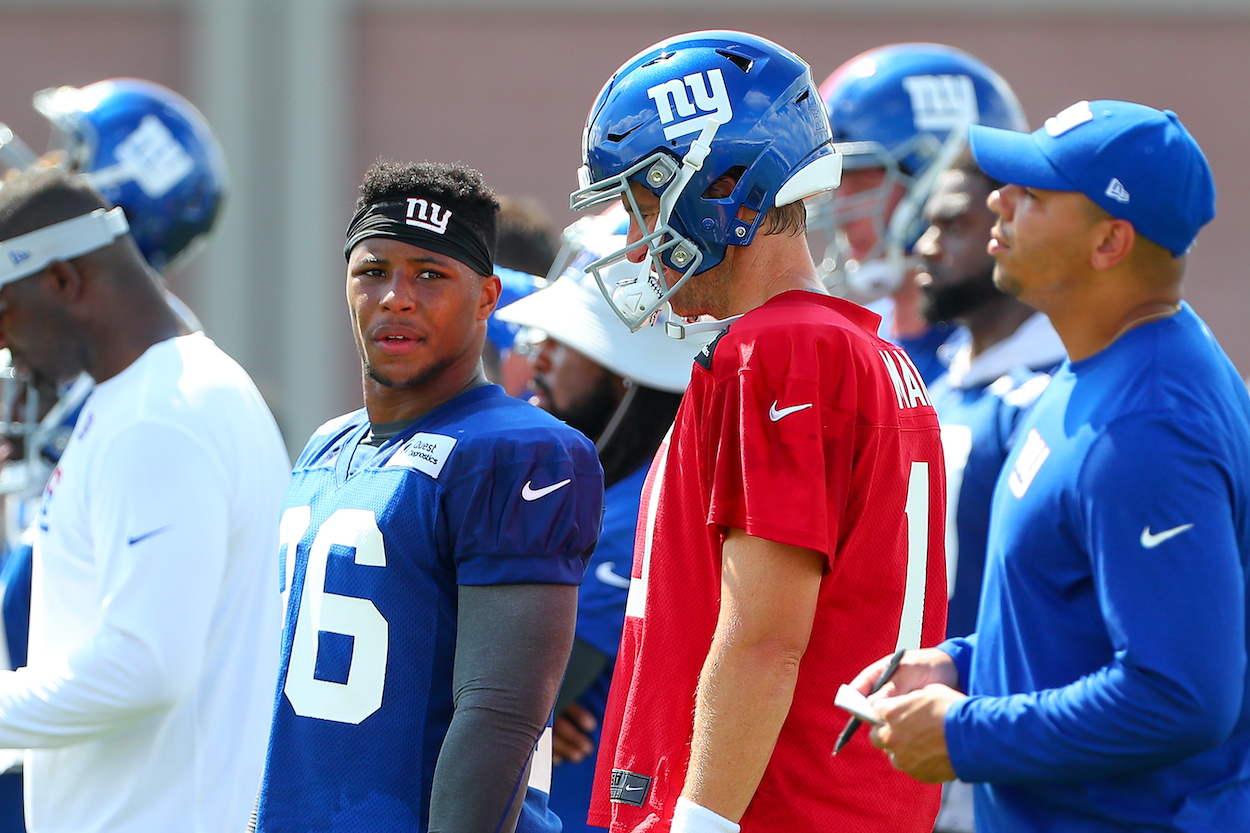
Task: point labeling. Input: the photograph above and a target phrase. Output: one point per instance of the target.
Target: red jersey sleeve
(781, 466)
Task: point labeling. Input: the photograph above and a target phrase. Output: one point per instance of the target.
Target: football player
(621, 391)
(150, 152)
(432, 545)
(792, 521)
(900, 115)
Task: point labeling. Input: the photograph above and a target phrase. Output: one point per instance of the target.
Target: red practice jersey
(803, 427)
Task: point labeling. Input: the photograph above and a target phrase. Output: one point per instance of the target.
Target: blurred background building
(304, 94)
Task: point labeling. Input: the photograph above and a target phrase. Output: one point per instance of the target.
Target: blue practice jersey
(925, 351)
(483, 490)
(1108, 673)
(15, 572)
(980, 403)
(600, 616)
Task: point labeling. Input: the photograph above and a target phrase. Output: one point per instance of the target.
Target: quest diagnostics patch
(425, 453)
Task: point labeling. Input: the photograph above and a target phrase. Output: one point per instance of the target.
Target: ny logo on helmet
(942, 102)
(709, 97)
(423, 214)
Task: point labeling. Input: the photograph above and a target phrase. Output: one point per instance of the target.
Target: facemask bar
(638, 298)
(883, 269)
(45, 439)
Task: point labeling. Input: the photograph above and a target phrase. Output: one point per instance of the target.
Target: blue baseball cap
(1135, 162)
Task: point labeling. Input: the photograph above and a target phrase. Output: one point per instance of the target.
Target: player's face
(862, 208)
(957, 272)
(1040, 243)
(703, 294)
(416, 314)
(570, 386)
(44, 343)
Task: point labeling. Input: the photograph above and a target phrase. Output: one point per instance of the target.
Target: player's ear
(1114, 240)
(64, 280)
(488, 296)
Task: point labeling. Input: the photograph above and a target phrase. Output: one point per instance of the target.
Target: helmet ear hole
(725, 184)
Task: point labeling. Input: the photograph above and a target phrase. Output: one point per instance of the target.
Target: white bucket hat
(575, 313)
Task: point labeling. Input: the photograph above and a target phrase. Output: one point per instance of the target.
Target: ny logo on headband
(710, 96)
(424, 214)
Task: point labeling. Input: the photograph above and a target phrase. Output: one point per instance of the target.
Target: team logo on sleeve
(424, 452)
(1033, 453)
(682, 99)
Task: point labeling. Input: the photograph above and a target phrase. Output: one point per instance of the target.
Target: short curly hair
(456, 186)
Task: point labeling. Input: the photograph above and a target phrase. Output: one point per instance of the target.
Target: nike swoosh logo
(138, 538)
(630, 789)
(528, 493)
(1151, 541)
(608, 576)
(775, 413)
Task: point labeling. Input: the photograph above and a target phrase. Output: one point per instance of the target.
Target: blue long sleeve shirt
(1108, 675)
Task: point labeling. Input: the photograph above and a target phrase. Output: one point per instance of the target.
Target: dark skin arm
(573, 724)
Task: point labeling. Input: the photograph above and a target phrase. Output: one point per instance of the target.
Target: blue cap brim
(1015, 158)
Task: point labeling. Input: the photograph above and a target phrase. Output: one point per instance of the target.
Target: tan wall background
(307, 92)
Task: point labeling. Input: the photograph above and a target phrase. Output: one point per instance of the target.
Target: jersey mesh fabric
(792, 430)
(468, 523)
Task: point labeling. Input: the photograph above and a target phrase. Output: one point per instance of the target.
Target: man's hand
(570, 737)
(914, 734)
(918, 669)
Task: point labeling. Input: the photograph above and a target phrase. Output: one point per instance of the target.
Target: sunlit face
(1040, 243)
(569, 385)
(702, 294)
(415, 313)
(43, 341)
(862, 206)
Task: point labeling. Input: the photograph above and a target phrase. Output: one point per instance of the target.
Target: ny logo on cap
(709, 94)
(424, 214)
(18, 255)
(942, 102)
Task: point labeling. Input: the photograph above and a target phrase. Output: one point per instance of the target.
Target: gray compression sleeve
(512, 643)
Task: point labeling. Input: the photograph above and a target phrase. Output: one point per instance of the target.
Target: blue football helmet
(905, 108)
(674, 119)
(148, 150)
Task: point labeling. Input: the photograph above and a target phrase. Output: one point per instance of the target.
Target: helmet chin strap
(618, 416)
(651, 267)
(674, 327)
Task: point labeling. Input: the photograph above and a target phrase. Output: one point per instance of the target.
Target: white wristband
(693, 818)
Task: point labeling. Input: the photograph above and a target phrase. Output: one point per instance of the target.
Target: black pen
(853, 723)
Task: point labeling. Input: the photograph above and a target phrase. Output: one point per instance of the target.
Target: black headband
(425, 224)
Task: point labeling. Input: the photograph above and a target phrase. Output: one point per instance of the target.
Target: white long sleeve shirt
(154, 639)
